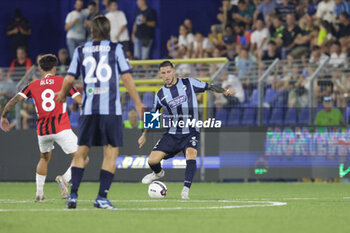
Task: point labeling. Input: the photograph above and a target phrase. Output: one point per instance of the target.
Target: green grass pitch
(214, 207)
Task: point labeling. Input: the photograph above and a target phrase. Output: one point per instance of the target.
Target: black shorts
(100, 130)
(172, 144)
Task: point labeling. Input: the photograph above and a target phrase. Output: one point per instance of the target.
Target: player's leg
(191, 167)
(41, 173)
(78, 166)
(106, 176)
(154, 163)
(68, 141)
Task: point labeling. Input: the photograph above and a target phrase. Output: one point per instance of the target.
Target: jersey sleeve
(26, 92)
(198, 86)
(157, 105)
(73, 92)
(74, 67)
(123, 62)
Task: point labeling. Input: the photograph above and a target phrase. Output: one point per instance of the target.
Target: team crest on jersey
(177, 101)
(193, 141)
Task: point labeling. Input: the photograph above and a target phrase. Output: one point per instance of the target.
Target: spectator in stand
(342, 32)
(19, 30)
(341, 6)
(303, 40)
(7, 87)
(186, 38)
(289, 34)
(143, 32)
(188, 23)
(259, 39)
(133, 122)
(245, 13)
(119, 31)
(284, 8)
(185, 69)
(233, 83)
(63, 62)
(276, 30)
(75, 27)
(227, 10)
(201, 45)
(341, 88)
(325, 11)
(105, 4)
(28, 115)
(93, 12)
(228, 37)
(271, 53)
(215, 37)
(316, 56)
(329, 116)
(21, 64)
(338, 58)
(265, 8)
(244, 64)
(243, 36)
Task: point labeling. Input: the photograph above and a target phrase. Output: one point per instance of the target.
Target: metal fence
(280, 92)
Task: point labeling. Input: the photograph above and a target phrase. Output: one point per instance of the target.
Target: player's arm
(129, 84)
(218, 89)
(66, 86)
(78, 98)
(5, 125)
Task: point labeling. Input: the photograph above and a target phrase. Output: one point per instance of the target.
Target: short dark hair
(272, 42)
(48, 61)
(112, 1)
(165, 64)
(345, 15)
(100, 28)
(92, 3)
(241, 2)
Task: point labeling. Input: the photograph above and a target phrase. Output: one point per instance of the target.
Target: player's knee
(153, 161)
(191, 154)
(45, 157)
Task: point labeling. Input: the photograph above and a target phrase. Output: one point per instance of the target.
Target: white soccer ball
(157, 189)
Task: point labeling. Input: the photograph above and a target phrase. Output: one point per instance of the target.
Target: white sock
(185, 189)
(40, 181)
(68, 175)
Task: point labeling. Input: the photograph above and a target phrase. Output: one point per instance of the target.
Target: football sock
(106, 179)
(191, 167)
(156, 167)
(68, 175)
(77, 175)
(40, 181)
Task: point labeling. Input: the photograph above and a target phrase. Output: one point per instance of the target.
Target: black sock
(77, 175)
(156, 167)
(191, 167)
(106, 179)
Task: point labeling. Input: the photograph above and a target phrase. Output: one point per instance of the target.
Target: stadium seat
(304, 117)
(234, 117)
(266, 116)
(276, 116)
(74, 119)
(269, 96)
(347, 115)
(291, 116)
(221, 114)
(249, 116)
(254, 98)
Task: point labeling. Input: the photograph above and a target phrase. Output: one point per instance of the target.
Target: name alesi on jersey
(97, 48)
(47, 82)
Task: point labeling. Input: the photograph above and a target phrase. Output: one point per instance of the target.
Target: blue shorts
(100, 130)
(172, 144)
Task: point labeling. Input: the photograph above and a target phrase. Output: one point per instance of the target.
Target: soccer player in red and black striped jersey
(53, 122)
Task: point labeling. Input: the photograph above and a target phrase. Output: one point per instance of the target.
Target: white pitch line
(257, 204)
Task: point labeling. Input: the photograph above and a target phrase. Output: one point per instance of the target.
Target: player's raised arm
(5, 125)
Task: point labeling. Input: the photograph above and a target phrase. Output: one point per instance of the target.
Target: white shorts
(66, 139)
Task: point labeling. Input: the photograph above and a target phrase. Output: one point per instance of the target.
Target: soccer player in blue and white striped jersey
(178, 97)
(101, 64)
